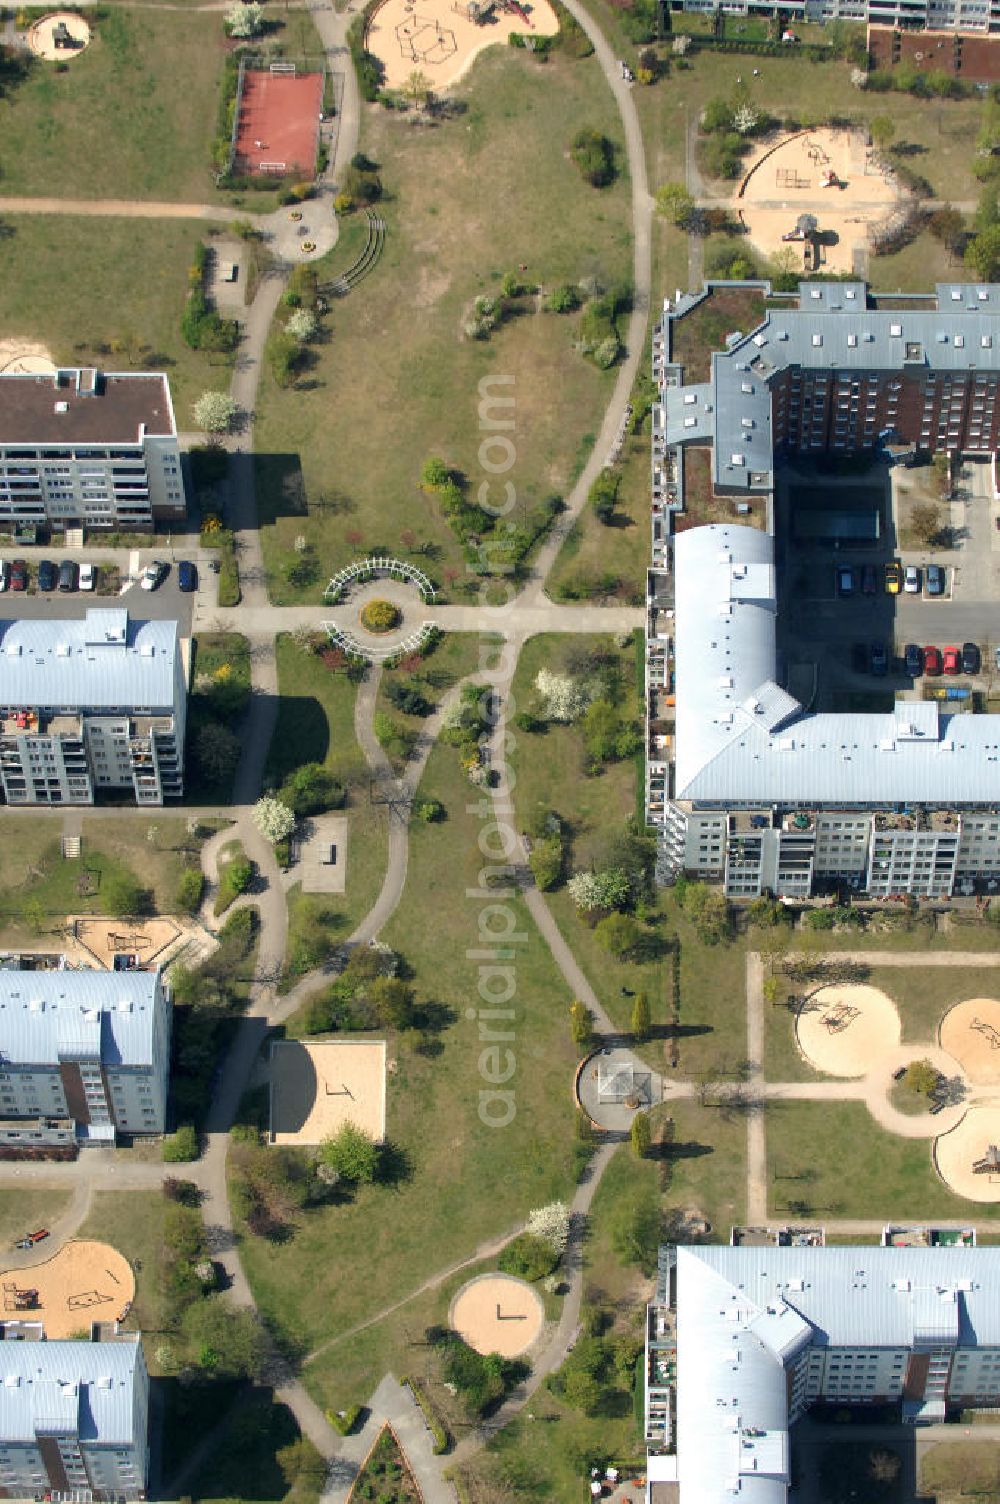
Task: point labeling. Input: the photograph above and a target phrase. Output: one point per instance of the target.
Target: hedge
(442, 1441)
(346, 1421)
(230, 593)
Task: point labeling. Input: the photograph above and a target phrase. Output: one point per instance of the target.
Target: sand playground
(496, 1313)
(84, 1282)
(442, 38)
(24, 357)
(318, 1087)
(832, 175)
(958, 1154)
(59, 37)
(842, 1030)
(971, 1033)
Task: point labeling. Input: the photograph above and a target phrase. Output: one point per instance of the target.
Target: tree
(190, 886)
(224, 1340)
(302, 325)
(600, 890)
(215, 411)
(528, 1256)
(582, 1391)
(392, 1001)
(310, 790)
(982, 254)
(434, 474)
(882, 129)
(180, 1147)
(922, 1077)
(244, 20)
(273, 819)
(417, 87)
(987, 209)
(641, 1135)
(353, 1153)
(640, 1017)
(217, 750)
(563, 698)
(546, 861)
(551, 1223)
(581, 1025)
(675, 204)
(594, 156)
(620, 936)
(635, 1231)
(947, 225)
(125, 896)
(925, 523)
(708, 911)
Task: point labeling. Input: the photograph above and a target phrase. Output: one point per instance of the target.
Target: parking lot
(836, 614)
(166, 603)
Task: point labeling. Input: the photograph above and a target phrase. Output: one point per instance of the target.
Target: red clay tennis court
(278, 130)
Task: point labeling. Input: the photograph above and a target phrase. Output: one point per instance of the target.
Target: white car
(88, 577)
(911, 580)
(154, 572)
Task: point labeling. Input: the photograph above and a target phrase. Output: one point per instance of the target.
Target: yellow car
(893, 577)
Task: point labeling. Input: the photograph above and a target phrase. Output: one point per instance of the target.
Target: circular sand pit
(19, 357)
(441, 39)
(84, 1282)
(971, 1032)
(496, 1313)
(843, 1030)
(964, 1159)
(59, 37)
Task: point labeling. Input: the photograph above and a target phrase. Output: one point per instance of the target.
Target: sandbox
(59, 37)
(971, 1032)
(318, 1087)
(144, 940)
(496, 1313)
(84, 1282)
(957, 1153)
(831, 174)
(441, 40)
(22, 357)
(842, 1030)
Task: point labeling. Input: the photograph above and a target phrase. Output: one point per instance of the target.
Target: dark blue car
(187, 575)
(47, 575)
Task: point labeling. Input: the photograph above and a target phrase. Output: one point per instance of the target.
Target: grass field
(420, 389)
(133, 1223)
(21, 1211)
(595, 557)
(132, 117)
(460, 654)
(79, 284)
(830, 1159)
(463, 1181)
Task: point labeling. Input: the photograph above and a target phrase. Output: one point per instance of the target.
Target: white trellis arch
(378, 568)
(377, 652)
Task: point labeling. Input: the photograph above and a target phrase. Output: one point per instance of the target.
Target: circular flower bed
(380, 616)
(308, 246)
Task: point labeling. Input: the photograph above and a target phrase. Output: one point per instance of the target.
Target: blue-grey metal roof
(47, 1016)
(742, 1313)
(740, 739)
(103, 662)
(82, 1388)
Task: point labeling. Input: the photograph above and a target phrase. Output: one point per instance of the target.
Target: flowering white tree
(551, 1223)
(859, 78)
(681, 45)
(273, 819)
(563, 698)
(214, 411)
(600, 890)
(244, 20)
(745, 119)
(302, 325)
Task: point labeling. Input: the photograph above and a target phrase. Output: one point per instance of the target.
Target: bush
(190, 886)
(594, 155)
(230, 593)
(311, 790)
(564, 299)
(233, 880)
(528, 1257)
(284, 356)
(181, 1147)
(603, 495)
(380, 616)
(546, 862)
(353, 1154)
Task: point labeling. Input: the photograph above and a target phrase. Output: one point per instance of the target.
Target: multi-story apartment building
(74, 1420)
(943, 15)
(81, 448)
(91, 705)
(755, 1335)
(90, 1047)
(750, 788)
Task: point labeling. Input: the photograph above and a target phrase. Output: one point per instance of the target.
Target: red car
(18, 575)
(952, 661)
(932, 661)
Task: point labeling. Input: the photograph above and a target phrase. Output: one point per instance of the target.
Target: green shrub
(564, 299)
(230, 593)
(190, 886)
(234, 879)
(594, 155)
(310, 790)
(181, 1147)
(344, 1421)
(528, 1257)
(546, 862)
(603, 496)
(380, 616)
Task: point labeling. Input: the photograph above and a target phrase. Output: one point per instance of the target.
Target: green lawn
(829, 1159)
(21, 1211)
(457, 656)
(78, 284)
(133, 1223)
(132, 117)
(706, 1165)
(610, 561)
(463, 1181)
(413, 390)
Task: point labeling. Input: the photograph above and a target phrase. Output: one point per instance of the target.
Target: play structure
(971, 1033)
(442, 38)
(84, 1281)
(117, 947)
(842, 1030)
(792, 179)
(59, 37)
(968, 1158)
(496, 1313)
(318, 1086)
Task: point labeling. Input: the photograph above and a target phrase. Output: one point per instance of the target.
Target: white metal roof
(47, 1016)
(87, 1389)
(103, 662)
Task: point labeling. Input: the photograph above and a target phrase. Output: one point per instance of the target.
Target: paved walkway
(393, 1404)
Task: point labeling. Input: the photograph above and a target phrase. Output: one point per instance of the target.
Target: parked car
(934, 578)
(932, 662)
(47, 575)
(859, 657)
(911, 580)
(952, 660)
(68, 575)
(971, 659)
(845, 580)
(88, 576)
(913, 657)
(154, 574)
(869, 579)
(878, 658)
(4, 574)
(18, 575)
(187, 575)
(893, 577)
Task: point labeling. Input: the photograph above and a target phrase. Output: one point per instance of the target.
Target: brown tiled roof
(83, 408)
